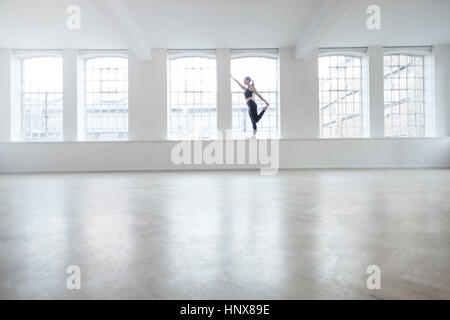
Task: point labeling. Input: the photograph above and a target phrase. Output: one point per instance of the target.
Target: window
(404, 95)
(42, 96)
(192, 97)
(106, 98)
(342, 113)
(264, 71)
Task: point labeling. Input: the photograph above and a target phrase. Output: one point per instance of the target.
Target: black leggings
(253, 112)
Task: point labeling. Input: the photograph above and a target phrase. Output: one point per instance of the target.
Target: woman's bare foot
(266, 107)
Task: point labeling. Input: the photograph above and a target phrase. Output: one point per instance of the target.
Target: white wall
(376, 91)
(70, 95)
(148, 97)
(299, 90)
(442, 89)
(156, 155)
(299, 147)
(5, 94)
(224, 114)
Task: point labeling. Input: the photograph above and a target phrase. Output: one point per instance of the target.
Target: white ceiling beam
(139, 42)
(326, 17)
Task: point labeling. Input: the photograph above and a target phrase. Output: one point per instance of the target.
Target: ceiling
(165, 24)
(403, 23)
(217, 23)
(222, 23)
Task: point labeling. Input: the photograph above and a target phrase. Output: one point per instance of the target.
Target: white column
(299, 95)
(147, 105)
(442, 93)
(70, 98)
(376, 91)
(5, 95)
(224, 113)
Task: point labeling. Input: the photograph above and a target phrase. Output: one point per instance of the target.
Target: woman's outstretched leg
(259, 116)
(254, 116)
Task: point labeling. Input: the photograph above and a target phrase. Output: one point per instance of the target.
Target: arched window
(42, 99)
(106, 98)
(192, 97)
(404, 95)
(264, 71)
(341, 96)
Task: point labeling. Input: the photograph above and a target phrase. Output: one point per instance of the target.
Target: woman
(249, 90)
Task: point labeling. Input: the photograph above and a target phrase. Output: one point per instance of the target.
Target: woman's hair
(250, 79)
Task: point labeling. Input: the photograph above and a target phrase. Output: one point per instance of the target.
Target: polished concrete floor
(226, 235)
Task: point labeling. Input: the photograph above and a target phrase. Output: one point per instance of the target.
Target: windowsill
(209, 141)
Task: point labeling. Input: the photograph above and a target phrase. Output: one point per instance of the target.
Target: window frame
(173, 55)
(426, 53)
(84, 57)
(19, 57)
(272, 54)
(362, 54)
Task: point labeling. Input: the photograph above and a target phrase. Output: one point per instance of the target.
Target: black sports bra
(248, 94)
